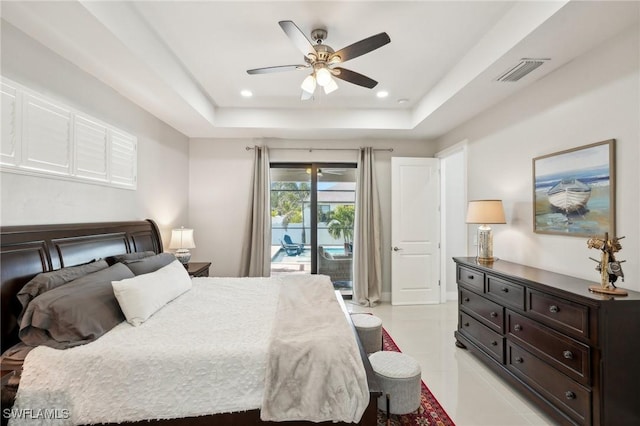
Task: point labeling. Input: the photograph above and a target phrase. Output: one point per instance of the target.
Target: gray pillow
(130, 256)
(46, 281)
(75, 313)
(150, 264)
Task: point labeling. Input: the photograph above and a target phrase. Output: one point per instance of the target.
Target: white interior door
(415, 231)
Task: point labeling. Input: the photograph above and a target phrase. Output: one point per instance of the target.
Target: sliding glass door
(312, 215)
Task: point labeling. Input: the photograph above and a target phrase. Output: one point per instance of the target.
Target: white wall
(220, 191)
(163, 153)
(593, 98)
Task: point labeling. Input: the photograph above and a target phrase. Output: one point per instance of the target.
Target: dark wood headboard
(32, 249)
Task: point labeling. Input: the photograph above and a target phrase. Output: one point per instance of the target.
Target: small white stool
(369, 328)
(398, 376)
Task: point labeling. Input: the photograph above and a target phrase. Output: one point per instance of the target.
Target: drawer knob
(466, 324)
(493, 314)
(519, 360)
(567, 354)
(553, 309)
(470, 277)
(570, 395)
(504, 290)
(517, 327)
(466, 299)
(494, 343)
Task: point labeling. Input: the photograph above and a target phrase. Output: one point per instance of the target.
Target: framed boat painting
(574, 191)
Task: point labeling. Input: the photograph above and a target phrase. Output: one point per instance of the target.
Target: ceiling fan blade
(297, 37)
(354, 77)
(361, 47)
(280, 68)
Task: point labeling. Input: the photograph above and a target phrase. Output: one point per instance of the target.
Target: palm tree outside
(341, 225)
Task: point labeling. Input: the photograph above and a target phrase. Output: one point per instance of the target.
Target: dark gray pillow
(150, 264)
(130, 256)
(46, 281)
(75, 313)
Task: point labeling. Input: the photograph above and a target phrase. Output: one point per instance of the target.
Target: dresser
(574, 353)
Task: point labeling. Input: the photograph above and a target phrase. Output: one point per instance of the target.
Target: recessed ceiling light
(403, 101)
(246, 93)
(382, 94)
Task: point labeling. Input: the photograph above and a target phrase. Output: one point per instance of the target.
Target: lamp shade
(323, 76)
(182, 238)
(331, 86)
(309, 84)
(485, 211)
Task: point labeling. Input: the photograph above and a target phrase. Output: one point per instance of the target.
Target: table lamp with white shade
(485, 212)
(182, 241)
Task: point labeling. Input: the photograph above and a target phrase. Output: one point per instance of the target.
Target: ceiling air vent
(524, 67)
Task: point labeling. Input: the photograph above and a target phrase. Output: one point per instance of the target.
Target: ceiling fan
(322, 60)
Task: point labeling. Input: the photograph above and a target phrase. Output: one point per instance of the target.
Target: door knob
(396, 249)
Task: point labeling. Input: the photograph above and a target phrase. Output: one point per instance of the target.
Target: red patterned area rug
(430, 412)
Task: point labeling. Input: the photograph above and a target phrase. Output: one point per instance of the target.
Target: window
(42, 136)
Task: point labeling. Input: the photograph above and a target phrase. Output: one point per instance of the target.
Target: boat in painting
(569, 195)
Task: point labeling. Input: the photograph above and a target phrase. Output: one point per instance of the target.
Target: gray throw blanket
(314, 369)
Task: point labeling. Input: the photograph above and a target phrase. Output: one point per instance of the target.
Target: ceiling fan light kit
(322, 60)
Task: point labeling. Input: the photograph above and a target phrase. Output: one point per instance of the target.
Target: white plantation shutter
(123, 159)
(91, 149)
(9, 152)
(46, 141)
(45, 137)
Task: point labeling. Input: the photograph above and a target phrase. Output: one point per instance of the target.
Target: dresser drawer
(490, 341)
(562, 352)
(563, 315)
(471, 278)
(507, 293)
(560, 390)
(490, 313)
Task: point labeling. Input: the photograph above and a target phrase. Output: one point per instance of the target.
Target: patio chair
(337, 267)
(288, 241)
(291, 249)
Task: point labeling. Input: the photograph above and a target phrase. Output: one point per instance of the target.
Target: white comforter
(207, 352)
(203, 353)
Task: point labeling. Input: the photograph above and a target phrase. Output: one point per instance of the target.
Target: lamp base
(486, 259)
(485, 244)
(183, 256)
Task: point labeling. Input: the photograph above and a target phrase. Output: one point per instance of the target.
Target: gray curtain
(256, 250)
(367, 264)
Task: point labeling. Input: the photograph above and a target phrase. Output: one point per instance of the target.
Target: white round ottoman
(369, 328)
(398, 375)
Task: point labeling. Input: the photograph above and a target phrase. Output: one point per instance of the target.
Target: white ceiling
(185, 62)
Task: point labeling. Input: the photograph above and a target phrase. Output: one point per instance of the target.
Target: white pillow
(142, 296)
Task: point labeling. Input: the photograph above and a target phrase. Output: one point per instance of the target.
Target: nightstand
(198, 269)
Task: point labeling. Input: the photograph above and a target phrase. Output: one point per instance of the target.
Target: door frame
(452, 240)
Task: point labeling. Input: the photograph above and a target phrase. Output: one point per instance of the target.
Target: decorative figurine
(609, 268)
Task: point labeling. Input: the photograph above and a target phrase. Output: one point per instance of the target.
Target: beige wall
(163, 153)
(220, 190)
(594, 98)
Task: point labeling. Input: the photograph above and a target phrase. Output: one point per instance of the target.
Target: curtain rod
(249, 148)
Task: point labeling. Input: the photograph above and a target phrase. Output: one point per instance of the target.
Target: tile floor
(470, 393)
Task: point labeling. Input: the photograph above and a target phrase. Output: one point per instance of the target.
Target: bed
(30, 250)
